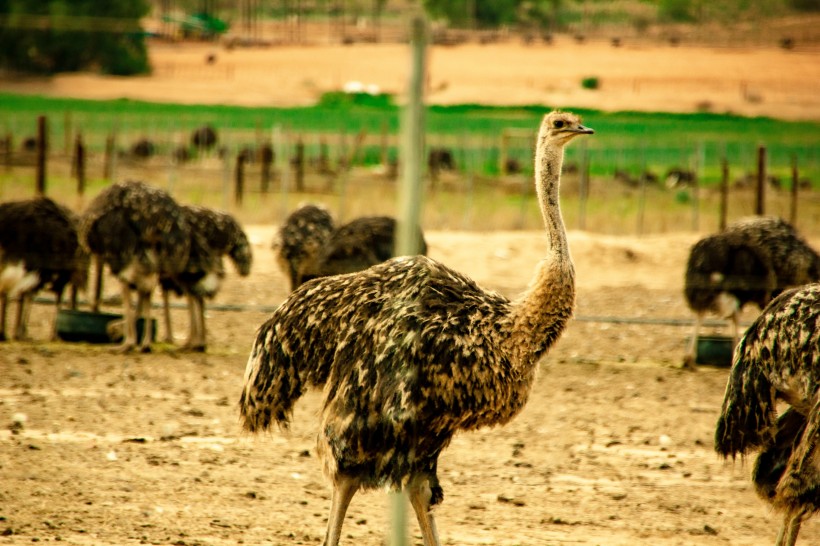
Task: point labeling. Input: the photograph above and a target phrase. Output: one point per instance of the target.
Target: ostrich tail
(271, 386)
(747, 418)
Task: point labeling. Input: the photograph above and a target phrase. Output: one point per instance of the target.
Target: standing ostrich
(213, 234)
(299, 240)
(143, 235)
(355, 246)
(778, 359)
(751, 261)
(38, 249)
(411, 352)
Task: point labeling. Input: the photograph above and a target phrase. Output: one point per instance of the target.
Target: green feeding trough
(95, 327)
(714, 350)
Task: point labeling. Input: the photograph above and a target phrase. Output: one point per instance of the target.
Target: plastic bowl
(73, 325)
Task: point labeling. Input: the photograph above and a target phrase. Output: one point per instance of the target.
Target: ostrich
(751, 261)
(410, 352)
(213, 234)
(143, 235)
(300, 239)
(778, 359)
(38, 249)
(355, 246)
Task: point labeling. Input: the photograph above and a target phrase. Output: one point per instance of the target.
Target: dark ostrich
(214, 234)
(778, 360)
(143, 235)
(299, 240)
(751, 261)
(409, 353)
(39, 249)
(357, 245)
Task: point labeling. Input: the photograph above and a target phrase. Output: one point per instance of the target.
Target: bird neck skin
(541, 313)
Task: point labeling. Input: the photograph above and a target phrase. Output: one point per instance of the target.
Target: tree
(48, 36)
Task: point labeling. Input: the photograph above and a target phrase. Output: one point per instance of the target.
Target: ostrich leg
(144, 311)
(130, 316)
(166, 308)
(420, 494)
(789, 530)
(343, 491)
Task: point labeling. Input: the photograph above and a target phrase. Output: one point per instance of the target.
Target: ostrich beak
(582, 130)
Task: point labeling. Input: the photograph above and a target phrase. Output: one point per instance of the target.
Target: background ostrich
(300, 238)
(355, 246)
(412, 352)
(38, 249)
(751, 261)
(778, 359)
(213, 235)
(143, 235)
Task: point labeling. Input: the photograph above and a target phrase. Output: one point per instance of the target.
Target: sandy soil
(766, 81)
(614, 447)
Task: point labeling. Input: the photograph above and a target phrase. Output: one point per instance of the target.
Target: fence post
(267, 161)
(299, 165)
(42, 150)
(409, 205)
(760, 199)
(724, 194)
(108, 159)
(795, 188)
(239, 179)
(79, 164)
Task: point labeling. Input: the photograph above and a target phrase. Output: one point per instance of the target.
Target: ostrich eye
(558, 124)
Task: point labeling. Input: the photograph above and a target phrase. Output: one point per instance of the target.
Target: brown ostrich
(778, 360)
(213, 235)
(300, 238)
(751, 261)
(38, 249)
(409, 353)
(143, 235)
(357, 245)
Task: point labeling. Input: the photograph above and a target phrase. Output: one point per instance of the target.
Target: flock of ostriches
(407, 351)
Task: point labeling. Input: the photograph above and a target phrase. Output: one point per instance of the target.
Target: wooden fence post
(299, 165)
(267, 162)
(79, 164)
(42, 150)
(108, 159)
(723, 212)
(239, 179)
(760, 199)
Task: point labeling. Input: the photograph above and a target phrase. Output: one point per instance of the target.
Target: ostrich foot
(689, 363)
(124, 348)
(194, 347)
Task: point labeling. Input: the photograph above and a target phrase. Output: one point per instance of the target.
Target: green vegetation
(49, 36)
(630, 141)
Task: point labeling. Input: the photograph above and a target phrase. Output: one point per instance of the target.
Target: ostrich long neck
(538, 317)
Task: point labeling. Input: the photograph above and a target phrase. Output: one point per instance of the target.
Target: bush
(590, 83)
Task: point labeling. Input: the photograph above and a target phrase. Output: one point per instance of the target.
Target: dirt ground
(614, 447)
(764, 81)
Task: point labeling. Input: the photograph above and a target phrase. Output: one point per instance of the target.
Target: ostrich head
(558, 128)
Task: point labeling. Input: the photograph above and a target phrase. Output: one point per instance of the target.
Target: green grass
(629, 141)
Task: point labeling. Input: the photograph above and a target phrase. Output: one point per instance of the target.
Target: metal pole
(409, 205)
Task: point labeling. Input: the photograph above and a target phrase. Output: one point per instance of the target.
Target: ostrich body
(357, 245)
(751, 261)
(410, 352)
(38, 249)
(213, 235)
(778, 359)
(300, 239)
(143, 235)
